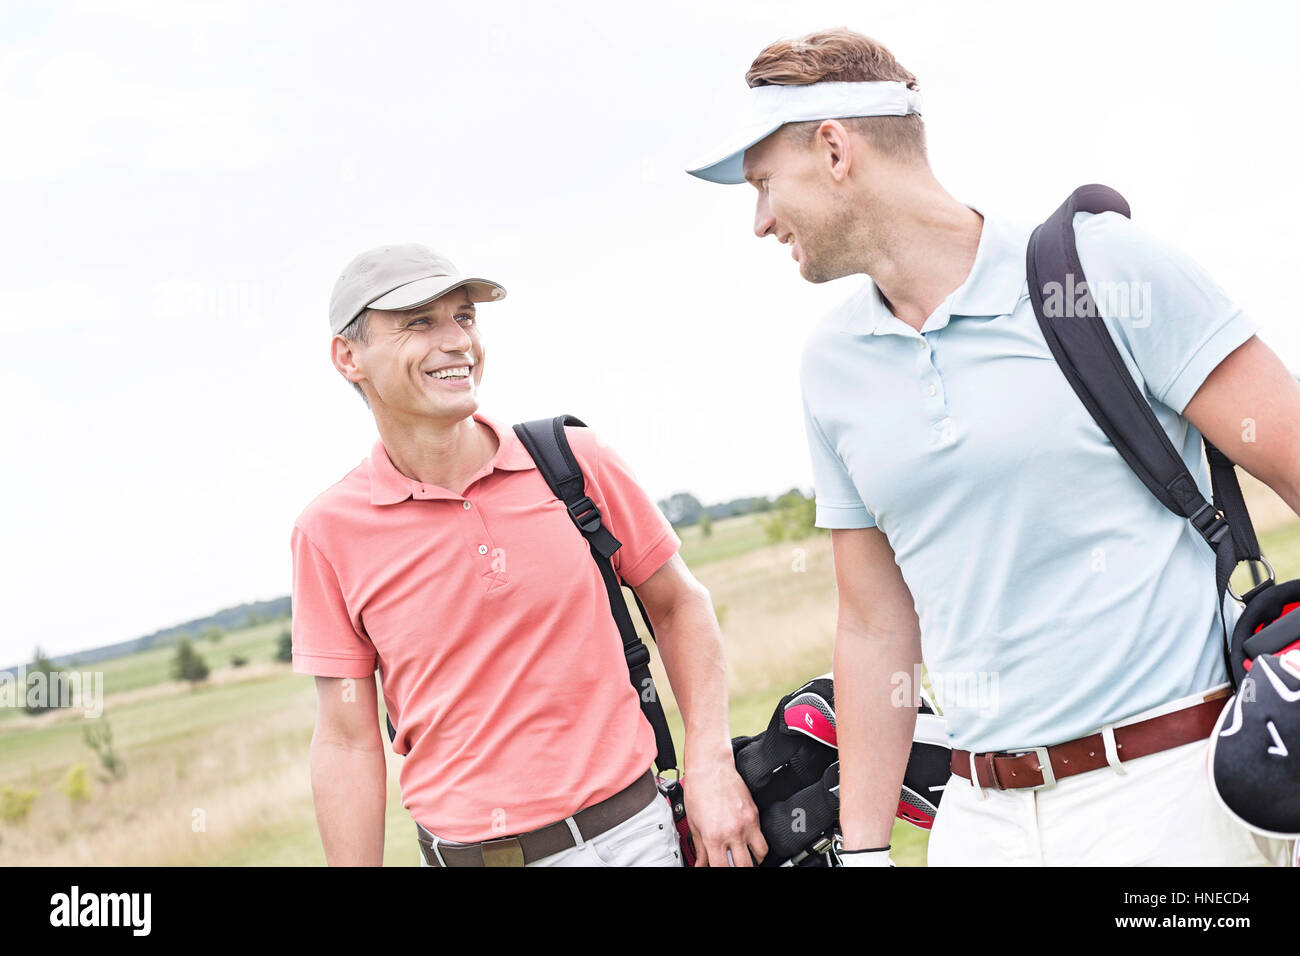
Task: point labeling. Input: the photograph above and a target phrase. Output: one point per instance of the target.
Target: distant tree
(774, 526)
(99, 738)
(238, 661)
(793, 515)
(188, 665)
(284, 646)
(681, 509)
(706, 524)
(52, 686)
(212, 635)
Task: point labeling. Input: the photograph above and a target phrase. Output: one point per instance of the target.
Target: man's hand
(722, 816)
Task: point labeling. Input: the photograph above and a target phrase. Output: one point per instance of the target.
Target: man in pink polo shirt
(444, 561)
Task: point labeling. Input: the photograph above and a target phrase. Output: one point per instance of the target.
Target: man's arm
(1249, 408)
(721, 812)
(348, 771)
(877, 636)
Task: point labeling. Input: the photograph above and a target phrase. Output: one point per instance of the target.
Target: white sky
(182, 182)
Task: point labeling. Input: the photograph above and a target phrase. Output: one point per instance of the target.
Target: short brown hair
(843, 56)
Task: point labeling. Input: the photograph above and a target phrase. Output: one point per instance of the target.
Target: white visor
(771, 107)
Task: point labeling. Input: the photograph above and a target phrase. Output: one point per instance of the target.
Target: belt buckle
(1044, 766)
(504, 852)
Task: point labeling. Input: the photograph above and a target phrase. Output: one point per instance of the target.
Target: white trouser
(1157, 810)
(648, 838)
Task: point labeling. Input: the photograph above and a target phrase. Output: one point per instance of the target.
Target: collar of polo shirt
(388, 486)
(995, 285)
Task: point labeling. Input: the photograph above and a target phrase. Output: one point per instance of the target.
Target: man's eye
(417, 322)
(465, 318)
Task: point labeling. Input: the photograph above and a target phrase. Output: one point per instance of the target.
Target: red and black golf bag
(792, 771)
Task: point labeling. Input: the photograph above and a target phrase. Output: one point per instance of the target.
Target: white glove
(878, 856)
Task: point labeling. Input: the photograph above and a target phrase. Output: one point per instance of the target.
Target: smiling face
(804, 199)
(418, 363)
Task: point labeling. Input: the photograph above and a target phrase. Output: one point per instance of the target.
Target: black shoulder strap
(1087, 355)
(547, 442)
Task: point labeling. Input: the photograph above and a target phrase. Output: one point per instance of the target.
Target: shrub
(99, 738)
(76, 783)
(14, 804)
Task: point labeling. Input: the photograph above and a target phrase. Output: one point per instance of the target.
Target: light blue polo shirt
(1055, 594)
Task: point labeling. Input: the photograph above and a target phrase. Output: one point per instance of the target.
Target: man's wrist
(867, 856)
(700, 757)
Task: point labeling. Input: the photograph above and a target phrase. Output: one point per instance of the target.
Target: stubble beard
(831, 249)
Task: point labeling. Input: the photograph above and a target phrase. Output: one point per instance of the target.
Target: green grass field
(217, 774)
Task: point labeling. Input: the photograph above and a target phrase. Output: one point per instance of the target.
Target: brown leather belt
(524, 848)
(1039, 767)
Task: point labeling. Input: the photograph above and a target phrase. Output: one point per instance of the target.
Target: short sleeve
(647, 537)
(839, 506)
(1162, 309)
(325, 642)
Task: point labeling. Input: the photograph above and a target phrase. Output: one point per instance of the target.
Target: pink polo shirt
(485, 614)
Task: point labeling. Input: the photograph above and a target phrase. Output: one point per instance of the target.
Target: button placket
(492, 569)
(943, 430)
(932, 390)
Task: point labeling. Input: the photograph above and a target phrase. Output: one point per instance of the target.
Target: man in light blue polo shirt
(980, 518)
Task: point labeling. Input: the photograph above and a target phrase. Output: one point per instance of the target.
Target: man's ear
(344, 357)
(835, 148)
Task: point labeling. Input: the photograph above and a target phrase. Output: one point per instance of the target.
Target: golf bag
(792, 771)
(1254, 759)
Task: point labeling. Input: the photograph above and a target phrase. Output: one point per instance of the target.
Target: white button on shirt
(1055, 594)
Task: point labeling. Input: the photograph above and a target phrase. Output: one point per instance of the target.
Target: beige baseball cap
(396, 277)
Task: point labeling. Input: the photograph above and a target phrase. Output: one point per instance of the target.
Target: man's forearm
(690, 646)
(349, 786)
(1290, 492)
(874, 731)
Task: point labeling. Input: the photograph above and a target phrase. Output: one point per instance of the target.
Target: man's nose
(458, 341)
(763, 220)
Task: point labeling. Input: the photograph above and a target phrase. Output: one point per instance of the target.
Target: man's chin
(809, 272)
(447, 407)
